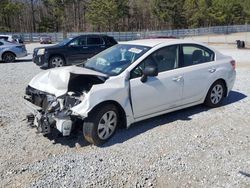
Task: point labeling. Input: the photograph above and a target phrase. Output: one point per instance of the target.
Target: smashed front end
(49, 111)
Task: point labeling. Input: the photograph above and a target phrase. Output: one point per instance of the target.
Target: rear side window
(110, 40)
(4, 38)
(94, 41)
(195, 54)
(1, 43)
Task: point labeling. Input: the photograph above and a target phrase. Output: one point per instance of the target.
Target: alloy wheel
(57, 62)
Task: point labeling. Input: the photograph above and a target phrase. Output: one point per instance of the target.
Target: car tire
(56, 61)
(8, 57)
(215, 94)
(101, 124)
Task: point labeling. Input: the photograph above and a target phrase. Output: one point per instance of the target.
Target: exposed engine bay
(49, 111)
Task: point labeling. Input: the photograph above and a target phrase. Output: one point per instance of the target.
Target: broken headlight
(72, 99)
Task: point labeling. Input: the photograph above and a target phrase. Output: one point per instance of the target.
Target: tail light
(233, 63)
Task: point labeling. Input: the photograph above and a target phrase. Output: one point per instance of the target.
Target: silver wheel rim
(107, 125)
(216, 94)
(57, 62)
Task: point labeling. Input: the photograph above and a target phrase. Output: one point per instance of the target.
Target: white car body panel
(136, 97)
(159, 87)
(55, 81)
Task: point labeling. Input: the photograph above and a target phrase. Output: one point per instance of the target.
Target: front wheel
(56, 61)
(215, 94)
(101, 124)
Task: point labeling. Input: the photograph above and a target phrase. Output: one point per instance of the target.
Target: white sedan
(127, 83)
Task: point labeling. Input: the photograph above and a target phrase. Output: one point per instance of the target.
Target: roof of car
(155, 42)
(5, 35)
(92, 35)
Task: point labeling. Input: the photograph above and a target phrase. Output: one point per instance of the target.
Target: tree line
(119, 15)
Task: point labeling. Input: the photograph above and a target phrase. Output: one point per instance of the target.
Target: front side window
(1, 43)
(116, 59)
(193, 55)
(166, 58)
(81, 41)
(65, 41)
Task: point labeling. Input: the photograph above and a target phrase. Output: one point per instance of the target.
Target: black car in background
(72, 50)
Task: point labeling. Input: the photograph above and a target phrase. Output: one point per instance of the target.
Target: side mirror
(150, 70)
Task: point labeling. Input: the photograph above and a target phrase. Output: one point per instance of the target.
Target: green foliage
(105, 14)
(47, 24)
(119, 15)
(214, 12)
(170, 11)
(8, 10)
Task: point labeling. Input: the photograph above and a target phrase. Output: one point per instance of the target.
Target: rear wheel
(8, 57)
(101, 124)
(56, 61)
(215, 94)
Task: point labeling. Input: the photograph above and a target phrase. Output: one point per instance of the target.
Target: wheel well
(224, 83)
(8, 52)
(121, 111)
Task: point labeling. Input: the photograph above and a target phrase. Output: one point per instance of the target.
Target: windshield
(116, 59)
(65, 41)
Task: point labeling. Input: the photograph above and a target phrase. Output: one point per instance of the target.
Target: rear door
(77, 51)
(198, 67)
(95, 45)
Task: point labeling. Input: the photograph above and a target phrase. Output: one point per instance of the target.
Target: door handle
(177, 79)
(212, 70)
(84, 47)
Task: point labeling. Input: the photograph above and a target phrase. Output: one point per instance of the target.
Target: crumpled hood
(55, 81)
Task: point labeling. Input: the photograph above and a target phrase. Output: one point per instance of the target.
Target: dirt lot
(195, 147)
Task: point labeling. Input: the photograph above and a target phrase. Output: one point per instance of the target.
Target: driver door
(158, 93)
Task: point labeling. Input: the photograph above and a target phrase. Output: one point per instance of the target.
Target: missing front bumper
(45, 122)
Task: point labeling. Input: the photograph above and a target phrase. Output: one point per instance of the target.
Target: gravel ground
(195, 147)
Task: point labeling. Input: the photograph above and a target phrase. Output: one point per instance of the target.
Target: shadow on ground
(136, 129)
(17, 61)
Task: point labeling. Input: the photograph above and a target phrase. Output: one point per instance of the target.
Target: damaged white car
(127, 83)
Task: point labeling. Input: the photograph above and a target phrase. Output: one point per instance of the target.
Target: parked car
(127, 83)
(72, 51)
(12, 38)
(10, 51)
(45, 39)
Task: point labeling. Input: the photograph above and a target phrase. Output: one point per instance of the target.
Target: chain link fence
(125, 36)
